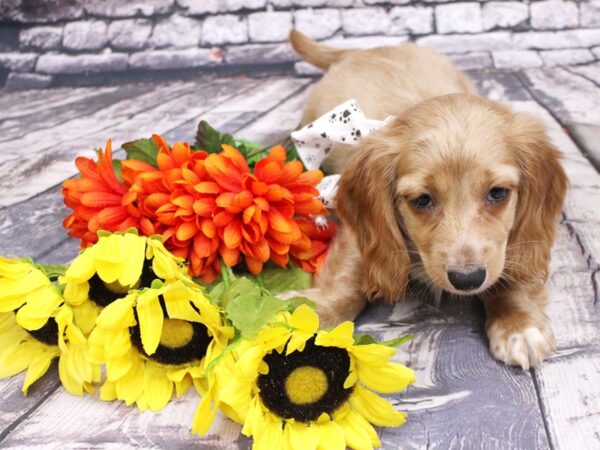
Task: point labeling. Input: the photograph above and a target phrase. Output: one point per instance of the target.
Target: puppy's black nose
(467, 281)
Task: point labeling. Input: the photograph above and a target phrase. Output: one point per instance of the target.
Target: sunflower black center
(181, 342)
(103, 294)
(48, 334)
(303, 385)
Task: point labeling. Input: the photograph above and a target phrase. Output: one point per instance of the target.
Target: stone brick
(260, 54)
(201, 7)
(41, 38)
(318, 23)
(177, 31)
(40, 11)
(18, 62)
(85, 35)
(224, 29)
(19, 81)
(516, 59)
(129, 34)
(269, 26)
(304, 68)
(557, 39)
(567, 57)
(459, 18)
(471, 61)
(128, 8)
(590, 14)
(71, 64)
(498, 40)
(411, 19)
(366, 41)
(312, 3)
(504, 14)
(363, 21)
(554, 15)
(175, 59)
(393, 2)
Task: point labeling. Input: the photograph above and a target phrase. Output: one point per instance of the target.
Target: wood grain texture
(462, 397)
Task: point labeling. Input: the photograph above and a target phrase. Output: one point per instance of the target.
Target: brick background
(40, 42)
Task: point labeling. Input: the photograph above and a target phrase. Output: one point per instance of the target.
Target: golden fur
(453, 147)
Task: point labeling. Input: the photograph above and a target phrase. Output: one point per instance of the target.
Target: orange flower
(206, 207)
(310, 251)
(255, 213)
(98, 200)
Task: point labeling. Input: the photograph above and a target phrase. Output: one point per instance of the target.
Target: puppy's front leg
(519, 331)
(337, 291)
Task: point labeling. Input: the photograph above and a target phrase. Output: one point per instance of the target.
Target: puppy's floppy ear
(366, 203)
(542, 190)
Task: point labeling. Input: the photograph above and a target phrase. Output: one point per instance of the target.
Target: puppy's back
(384, 80)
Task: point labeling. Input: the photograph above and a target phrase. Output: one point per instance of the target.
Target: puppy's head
(460, 191)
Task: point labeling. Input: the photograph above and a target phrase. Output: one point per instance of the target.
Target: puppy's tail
(318, 55)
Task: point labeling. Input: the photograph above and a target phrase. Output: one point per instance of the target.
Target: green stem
(224, 273)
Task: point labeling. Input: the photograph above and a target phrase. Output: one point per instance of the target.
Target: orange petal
(100, 199)
(232, 235)
(186, 230)
(254, 266)
(278, 222)
(207, 187)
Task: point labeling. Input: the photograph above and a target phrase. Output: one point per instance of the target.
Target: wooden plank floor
(462, 397)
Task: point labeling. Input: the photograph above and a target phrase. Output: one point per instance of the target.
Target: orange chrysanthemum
(98, 200)
(212, 207)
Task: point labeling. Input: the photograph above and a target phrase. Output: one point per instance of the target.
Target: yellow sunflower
(116, 264)
(36, 326)
(294, 387)
(156, 341)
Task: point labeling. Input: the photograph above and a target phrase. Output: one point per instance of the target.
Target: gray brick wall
(40, 41)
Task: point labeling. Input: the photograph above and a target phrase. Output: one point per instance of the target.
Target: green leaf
(365, 339)
(247, 308)
(116, 164)
(142, 150)
(207, 138)
(279, 280)
(293, 303)
(52, 271)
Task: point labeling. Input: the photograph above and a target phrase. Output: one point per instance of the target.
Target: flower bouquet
(185, 249)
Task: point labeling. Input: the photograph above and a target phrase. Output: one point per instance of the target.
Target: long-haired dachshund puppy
(458, 192)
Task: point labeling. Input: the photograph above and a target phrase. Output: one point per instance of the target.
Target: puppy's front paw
(526, 347)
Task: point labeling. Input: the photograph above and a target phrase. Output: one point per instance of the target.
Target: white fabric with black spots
(344, 124)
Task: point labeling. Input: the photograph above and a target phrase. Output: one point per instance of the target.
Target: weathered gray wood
(44, 166)
(462, 397)
(68, 107)
(571, 97)
(570, 398)
(586, 137)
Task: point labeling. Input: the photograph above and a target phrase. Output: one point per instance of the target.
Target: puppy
(457, 192)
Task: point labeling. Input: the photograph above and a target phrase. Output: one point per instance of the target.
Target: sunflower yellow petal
(76, 293)
(81, 269)
(85, 315)
(135, 248)
(118, 367)
(37, 367)
(375, 409)
(119, 314)
(182, 386)
(300, 436)
(341, 336)
(177, 301)
(108, 391)
(205, 414)
(16, 358)
(373, 353)
(158, 389)
(358, 433)
(271, 437)
(331, 436)
(388, 378)
(250, 361)
(151, 319)
(68, 373)
(305, 319)
(117, 343)
(130, 387)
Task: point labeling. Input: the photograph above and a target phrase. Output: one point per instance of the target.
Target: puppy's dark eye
(422, 201)
(497, 194)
